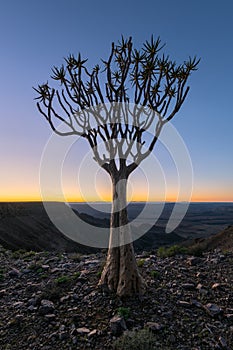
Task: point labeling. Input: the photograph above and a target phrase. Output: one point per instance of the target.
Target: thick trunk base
(120, 274)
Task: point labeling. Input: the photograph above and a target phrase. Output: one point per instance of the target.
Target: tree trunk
(120, 274)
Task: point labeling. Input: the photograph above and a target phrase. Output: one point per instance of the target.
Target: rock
(167, 314)
(184, 304)
(90, 262)
(92, 333)
(18, 304)
(223, 342)
(154, 326)
(46, 307)
(65, 298)
(229, 317)
(216, 286)
(213, 309)
(188, 286)
(117, 325)
(63, 336)
(33, 301)
(50, 317)
(14, 273)
(55, 269)
(32, 308)
(197, 304)
(83, 330)
(199, 286)
(201, 290)
(193, 261)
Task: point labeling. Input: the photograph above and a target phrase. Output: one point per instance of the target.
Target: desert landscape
(116, 181)
(27, 225)
(49, 283)
(50, 296)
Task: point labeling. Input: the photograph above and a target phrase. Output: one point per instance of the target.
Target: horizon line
(107, 202)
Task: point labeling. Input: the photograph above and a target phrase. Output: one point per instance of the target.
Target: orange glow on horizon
(108, 198)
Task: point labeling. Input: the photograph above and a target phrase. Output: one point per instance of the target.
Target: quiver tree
(95, 104)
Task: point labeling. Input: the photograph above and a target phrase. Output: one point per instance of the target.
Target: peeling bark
(120, 274)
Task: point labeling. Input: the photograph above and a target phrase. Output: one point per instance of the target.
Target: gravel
(51, 301)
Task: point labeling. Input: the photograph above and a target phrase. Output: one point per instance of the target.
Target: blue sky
(35, 36)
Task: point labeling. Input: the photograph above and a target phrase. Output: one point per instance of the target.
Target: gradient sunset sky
(36, 35)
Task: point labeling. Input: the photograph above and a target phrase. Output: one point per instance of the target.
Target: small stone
(117, 325)
(92, 333)
(55, 269)
(168, 314)
(53, 335)
(216, 286)
(14, 273)
(201, 289)
(193, 261)
(32, 308)
(50, 317)
(74, 340)
(83, 330)
(47, 307)
(33, 301)
(63, 335)
(229, 317)
(223, 342)
(45, 267)
(18, 304)
(75, 296)
(188, 286)
(183, 303)
(213, 309)
(196, 303)
(172, 338)
(154, 326)
(65, 298)
(89, 262)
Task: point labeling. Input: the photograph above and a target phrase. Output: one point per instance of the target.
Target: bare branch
(155, 82)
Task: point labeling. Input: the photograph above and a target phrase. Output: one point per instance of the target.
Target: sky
(36, 35)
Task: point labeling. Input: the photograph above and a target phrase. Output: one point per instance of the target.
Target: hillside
(27, 226)
(222, 240)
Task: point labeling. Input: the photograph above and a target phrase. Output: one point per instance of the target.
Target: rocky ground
(51, 301)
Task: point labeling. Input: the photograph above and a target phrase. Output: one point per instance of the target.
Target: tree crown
(95, 103)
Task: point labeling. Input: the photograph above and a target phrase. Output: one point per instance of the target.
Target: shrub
(164, 252)
(154, 274)
(39, 270)
(35, 267)
(62, 279)
(140, 262)
(76, 275)
(143, 339)
(196, 250)
(18, 253)
(52, 292)
(123, 312)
